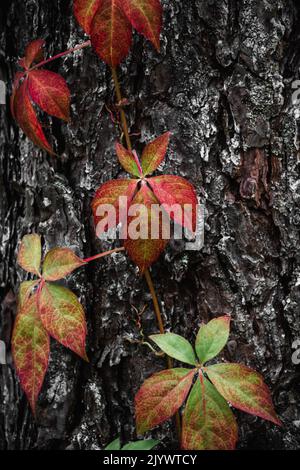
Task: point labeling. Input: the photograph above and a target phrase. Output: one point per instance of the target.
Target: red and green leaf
(128, 161)
(178, 197)
(154, 153)
(111, 32)
(50, 92)
(30, 253)
(27, 289)
(60, 262)
(244, 389)
(212, 338)
(109, 194)
(144, 249)
(30, 347)
(175, 346)
(146, 17)
(208, 423)
(63, 317)
(161, 396)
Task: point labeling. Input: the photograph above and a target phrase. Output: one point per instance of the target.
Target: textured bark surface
(222, 84)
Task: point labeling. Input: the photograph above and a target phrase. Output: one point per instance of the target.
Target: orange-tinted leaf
(30, 253)
(50, 92)
(63, 317)
(25, 291)
(60, 262)
(140, 243)
(175, 191)
(34, 52)
(109, 194)
(111, 32)
(161, 396)
(244, 389)
(84, 11)
(212, 338)
(208, 423)
(30, 347)
(128, 161)
(146, 17)
(154, 153)
(26, 118)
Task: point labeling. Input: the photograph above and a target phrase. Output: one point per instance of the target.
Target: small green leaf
(212, 338)
(148, 444)
(175, 346)
(114, 445)
(30, 253)
(208, 422)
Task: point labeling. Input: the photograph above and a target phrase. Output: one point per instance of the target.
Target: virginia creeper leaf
(142, 248)
(244, 389)
(111, 32)
(175, 191)
(25, 291)
(63, 317)
(30, 348)
(50, 92)
(127, 160)
(30, 253)
(60, 262)
(212, 338)
(26, 118)
(161, 396)
(147, 444)
(114, 445)
(146, 17)
(84, 11)
(175, 346)
(208, 423)
(154, 153)
(34, 52)
(15, 86)
(109, 193)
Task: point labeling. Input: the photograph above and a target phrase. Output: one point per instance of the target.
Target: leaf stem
(61, 54)
(147, 272)
(105, 253)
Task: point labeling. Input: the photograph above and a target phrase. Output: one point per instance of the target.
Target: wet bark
(222, 85)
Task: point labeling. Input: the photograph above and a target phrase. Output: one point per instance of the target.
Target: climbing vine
(46, 309)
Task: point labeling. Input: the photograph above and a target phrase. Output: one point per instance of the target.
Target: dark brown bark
(222, 84)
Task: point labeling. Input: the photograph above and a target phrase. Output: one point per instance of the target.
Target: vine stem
(61, 54)
(105, 253)
(147, 272)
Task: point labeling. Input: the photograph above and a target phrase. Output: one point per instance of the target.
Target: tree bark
(222, 85)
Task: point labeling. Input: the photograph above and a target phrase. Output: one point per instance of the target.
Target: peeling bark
(222, 85)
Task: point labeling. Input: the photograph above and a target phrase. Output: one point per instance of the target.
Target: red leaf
(30, 348)
(154, 153)
(175, 191)
(142, 248)
(63, 317)
(109, 193)
(161, 396)
(15, 86)
(244, 389)
(208, 423)
(50, 92)
(146, 17)
(27, 120)
(34, 52)
(128, 161)
(60, 262)
(111, 32)
(84, 11)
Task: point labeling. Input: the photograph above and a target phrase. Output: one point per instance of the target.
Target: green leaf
(161, 396)
(244, 389)
(212, 338)
(114, 445)
(208, 423)
(60, 262)
(30, 253)
(147, 444)
(175, 346)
